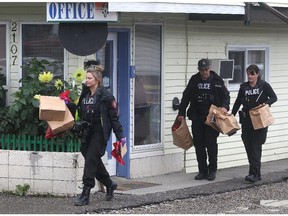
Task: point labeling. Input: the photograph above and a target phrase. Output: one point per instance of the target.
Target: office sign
(79, 11)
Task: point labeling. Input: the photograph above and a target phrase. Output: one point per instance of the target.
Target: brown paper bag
(261, 116)
(210, 119)
(181, 135)
(226, 123)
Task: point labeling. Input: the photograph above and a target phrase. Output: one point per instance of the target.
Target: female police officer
(250, 95)
(98, 112)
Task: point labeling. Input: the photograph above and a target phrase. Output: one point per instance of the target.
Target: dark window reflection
(42, 42)
(147, 101)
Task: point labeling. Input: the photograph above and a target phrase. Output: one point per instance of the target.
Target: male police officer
(204, 88)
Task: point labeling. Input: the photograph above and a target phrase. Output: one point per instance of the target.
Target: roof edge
(153, 7)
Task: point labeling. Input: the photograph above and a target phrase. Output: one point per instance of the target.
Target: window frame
(65, 52)
(246, 48)
(155, 148)
(8, 75)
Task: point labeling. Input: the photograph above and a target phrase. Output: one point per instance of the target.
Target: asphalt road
(233, 196)
(264, 199)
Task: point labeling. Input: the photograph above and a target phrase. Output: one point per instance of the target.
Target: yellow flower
(45, 77)
(37, 96)
(79, 75)
(77, 100)
(58, 84)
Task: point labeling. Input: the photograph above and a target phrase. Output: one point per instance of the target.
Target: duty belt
(245, 114)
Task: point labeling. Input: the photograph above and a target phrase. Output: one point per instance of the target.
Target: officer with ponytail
(251, 94)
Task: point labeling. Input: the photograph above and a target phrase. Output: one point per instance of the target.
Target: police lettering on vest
(252, 92)
(88, 101)
(204, 85)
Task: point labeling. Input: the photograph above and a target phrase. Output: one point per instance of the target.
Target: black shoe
(252, 178)
(211, 176)
(201, 176)
(110, 191)
(83, 199)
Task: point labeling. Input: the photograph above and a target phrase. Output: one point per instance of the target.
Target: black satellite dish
(83, 38)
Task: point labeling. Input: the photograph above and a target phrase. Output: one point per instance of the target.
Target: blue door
(114, 56)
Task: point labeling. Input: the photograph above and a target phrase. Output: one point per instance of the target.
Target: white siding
(209, 40)
(184, 44)
(23, 13)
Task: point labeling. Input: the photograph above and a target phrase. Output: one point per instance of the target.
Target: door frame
(112, 39)
(123, 92)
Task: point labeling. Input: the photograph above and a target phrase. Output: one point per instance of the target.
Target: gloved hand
(123, 140)
(180, 118)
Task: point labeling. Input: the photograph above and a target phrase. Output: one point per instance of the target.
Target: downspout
(186, 69)
(274, 11)
(247, 13)
(187, 49)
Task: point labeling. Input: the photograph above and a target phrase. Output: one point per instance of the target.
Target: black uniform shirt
(91, 110)
(251, 97)
(200, 94)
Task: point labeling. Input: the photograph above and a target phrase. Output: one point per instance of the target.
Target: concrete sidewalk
(145, 191)
(181, 180)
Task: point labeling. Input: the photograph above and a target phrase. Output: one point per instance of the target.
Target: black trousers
(93, 166)
(253, 141)
(205, 143)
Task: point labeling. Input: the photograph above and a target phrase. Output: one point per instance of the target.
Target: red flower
(116, 152)
(50, 134)
(65, 96)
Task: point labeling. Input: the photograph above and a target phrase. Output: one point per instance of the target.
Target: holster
(242, 116)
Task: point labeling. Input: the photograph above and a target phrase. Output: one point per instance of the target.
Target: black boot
(83, 199)
(110, 191)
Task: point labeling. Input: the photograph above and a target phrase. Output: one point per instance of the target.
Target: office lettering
(68, 11)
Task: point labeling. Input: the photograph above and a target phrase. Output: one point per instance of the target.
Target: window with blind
(244, 56)
(147, 98)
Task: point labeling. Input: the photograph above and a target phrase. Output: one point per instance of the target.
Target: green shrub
(22, 117)
(24, 111)
(21, 190)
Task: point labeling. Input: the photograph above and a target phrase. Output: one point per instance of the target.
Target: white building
(151, 51)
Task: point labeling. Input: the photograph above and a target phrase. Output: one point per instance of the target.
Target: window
(3, 62)
(244, 56)
(41, 41)
(147, 98)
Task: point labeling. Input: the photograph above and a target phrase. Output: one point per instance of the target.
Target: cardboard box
(51, 108)
(61, 126)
